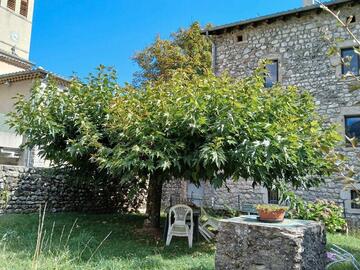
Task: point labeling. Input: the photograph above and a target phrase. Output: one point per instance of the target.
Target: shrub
(328, 212)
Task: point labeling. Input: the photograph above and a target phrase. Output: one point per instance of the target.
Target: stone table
(247, 244)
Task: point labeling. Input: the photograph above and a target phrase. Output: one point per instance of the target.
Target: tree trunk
(153, 203)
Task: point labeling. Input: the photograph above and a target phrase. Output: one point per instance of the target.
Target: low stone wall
(245, 243)
(23, 190)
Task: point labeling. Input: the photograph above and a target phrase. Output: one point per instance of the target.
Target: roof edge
(15, 60)
(31, 74)
(243, 23)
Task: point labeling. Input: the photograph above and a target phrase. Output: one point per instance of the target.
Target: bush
(328, 212)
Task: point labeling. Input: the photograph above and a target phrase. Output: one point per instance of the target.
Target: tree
(188, 50)
(214, 128)
(68, 126)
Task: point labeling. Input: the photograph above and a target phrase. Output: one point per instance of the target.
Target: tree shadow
(84, 240)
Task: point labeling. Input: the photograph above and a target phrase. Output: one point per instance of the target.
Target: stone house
(294, 43)
(17, 76)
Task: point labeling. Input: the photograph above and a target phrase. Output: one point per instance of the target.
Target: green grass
(349, 242)
(125, 248)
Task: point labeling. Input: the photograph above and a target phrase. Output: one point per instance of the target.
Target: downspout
(213, 53)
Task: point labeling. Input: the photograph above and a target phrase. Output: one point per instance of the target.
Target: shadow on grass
(125, 247)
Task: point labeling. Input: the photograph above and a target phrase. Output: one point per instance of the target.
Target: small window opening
(355, 204)
(273, 196)
(24, 8)
(351, 61)
(240, 38)
(273, 73)
(351, 19)
(11, 4)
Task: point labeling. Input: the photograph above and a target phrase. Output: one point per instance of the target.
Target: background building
(17, 76)
(294, 43)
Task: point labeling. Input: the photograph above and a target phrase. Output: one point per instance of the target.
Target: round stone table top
(286, 224)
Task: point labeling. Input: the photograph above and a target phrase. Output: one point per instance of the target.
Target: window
(273, 73)
(351, 19)
(273, 196)
(240, 38)
(355, 196)
(351, 61)
(24, 7)
(11, 4)
(352, 126)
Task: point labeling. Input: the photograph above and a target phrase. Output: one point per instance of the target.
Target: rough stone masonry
(23, 190)
(297, 42)
(245, 244)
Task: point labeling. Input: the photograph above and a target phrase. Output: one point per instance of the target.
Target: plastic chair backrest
(181, 212)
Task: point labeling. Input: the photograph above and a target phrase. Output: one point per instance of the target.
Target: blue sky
(76, 36)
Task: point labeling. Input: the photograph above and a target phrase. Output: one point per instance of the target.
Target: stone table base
(246, 244)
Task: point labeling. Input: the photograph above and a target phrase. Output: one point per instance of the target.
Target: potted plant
(271, 212)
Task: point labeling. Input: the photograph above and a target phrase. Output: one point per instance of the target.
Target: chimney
(308, 3)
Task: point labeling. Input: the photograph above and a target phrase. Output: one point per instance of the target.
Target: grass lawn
(125, 248)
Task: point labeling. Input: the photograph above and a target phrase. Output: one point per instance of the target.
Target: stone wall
(245, 243)
(28, 188)
(173, 187)
(298, 44)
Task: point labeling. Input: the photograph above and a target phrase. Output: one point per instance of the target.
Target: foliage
(328, 212)
(271, 208)
(214, 128)
(188, 50)
(68, 126)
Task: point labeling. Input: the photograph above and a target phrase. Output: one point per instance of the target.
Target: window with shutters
(11, 4)
(24, 7)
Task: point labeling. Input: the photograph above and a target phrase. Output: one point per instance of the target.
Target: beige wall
(8, 68)
(13, 24)
(7, 92)
(8, 139)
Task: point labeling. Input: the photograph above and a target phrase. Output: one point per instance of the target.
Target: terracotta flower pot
(274, 216)
(271, 212)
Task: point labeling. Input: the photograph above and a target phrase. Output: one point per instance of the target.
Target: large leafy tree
(187, 50)
(214, 128)
(68, 127)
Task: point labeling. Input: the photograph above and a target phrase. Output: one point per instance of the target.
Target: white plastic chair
(183, 225)
(337, 255)
(208, 221)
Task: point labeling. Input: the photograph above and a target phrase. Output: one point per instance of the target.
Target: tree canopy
(67, 125)
(180, 121)
(188, 50)
(215, 128)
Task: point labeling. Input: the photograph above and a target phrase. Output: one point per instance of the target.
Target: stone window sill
(353, 211)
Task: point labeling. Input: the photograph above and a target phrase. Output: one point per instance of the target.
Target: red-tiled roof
(29, 75)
